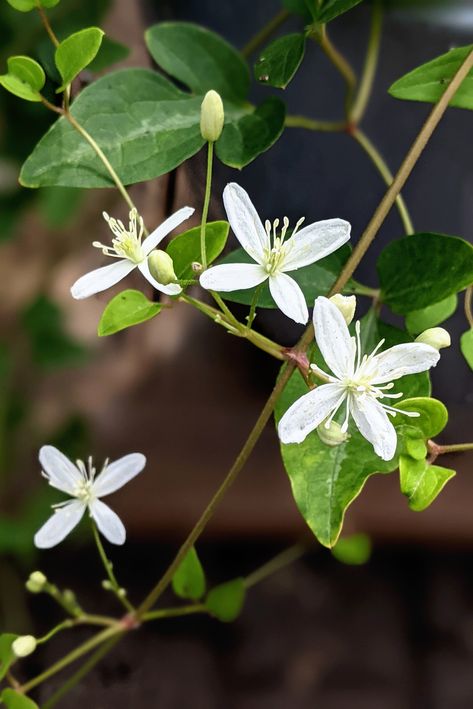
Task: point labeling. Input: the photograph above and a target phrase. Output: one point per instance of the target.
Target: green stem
(378, 161)
(205, 209)
(288, 556)
(265, 33)
(369, 71)
(252, 313)
(175, 612)
(455, 448)
(232, 474)
(340, 63)
(116, 588)
(226, 310)
(468, 305)
(46, 24)
(310, 124)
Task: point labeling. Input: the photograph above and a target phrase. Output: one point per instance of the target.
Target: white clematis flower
(274, 255)
(359, 383)
(80, 482)
(131, 252)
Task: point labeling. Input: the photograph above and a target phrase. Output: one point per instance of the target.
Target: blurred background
(396, 632)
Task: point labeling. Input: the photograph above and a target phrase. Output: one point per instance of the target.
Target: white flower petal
(165, 228)
(61, 473)
(60, 524)
(407, 358)
(245, 222)
(308, 412)
(118, 474)
(333, 337)
(108, 522)
(373, 423)
(170, 289)
(101, 279)
(288, 297)
(315, 241)
(233, 276)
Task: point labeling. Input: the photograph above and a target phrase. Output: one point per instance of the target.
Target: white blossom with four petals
(361, 383)
(131, 252)
(274, 255)
(81, 483)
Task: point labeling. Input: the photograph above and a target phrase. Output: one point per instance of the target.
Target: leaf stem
(292, 121)
(264, 33)
(175, 612)
(340, 63)
(46, 23)
(254, 302)
(205, 209)
(451, 448)
(469, 305)
(365, 87)
(286, 557)
(108, 566)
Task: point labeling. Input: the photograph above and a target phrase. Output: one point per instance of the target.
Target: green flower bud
(24, 645)
(435, 337)
(346, 305)
(162, 267)
(333, 434)
(211, 116)
(36, 582)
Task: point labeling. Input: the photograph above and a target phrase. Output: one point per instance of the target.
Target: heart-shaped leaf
(130, 307)
(422, 482)
(184, 249)
(25, 78)
(189, 579)
(76, 52)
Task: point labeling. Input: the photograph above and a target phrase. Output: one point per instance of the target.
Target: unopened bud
(332, 435)
(24, 645)
(107, 585)
(346, 305)
(36, 582)
(162, 267)
(197, 267)
(435, 337)
(211, 116)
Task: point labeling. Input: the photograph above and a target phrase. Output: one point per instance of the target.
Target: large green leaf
(328, 10)
(76, 52)
(226, 601)
(143, 123)
(280, 60)
(314, 280)
(421, 482)
(420, 320)
(189, 578)
(7, 655)
(325, 480)
(130, 307)
(199, 58)
(422, 269)
(184, 249)
(15, 700)
(466, 344)
(429, 81)
(245, 138)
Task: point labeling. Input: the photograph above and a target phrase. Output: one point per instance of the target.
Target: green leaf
(354, 550)
(25, 78)
(189, 579)
(280, 60)
(432, 420)
(22, 5)
(416, 448)
(51, 346)
(143, 123)
(314, 280)
(420, 320)
(109, 53)
(76, 52)
(6, 653)
(184, 249)
(422, 482)
(466, 345)
(328, 10)
(422, 269)
(130, 307)
(199, 58)
(14, 700)
(50, 3)
(225, 602)
(428, 82)
(247, 137)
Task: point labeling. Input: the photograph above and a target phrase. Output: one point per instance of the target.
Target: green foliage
(51, 346)
(300, 7)
(245, 138)
(328, 10)
(325, 480)
(189, 579)
(22, 5)
(15, 700)
(429, 81)
(432, 420)
(130, 307)
(421, 482)
(354, 550)
(184, 249)
(466, 344)
(6, 653)
(314, 280)
(76, 52)
(225, 601)
(419, 320)
(416, 448)
(280, 60)
(25, 78)
(422, 269)
(199, 58)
